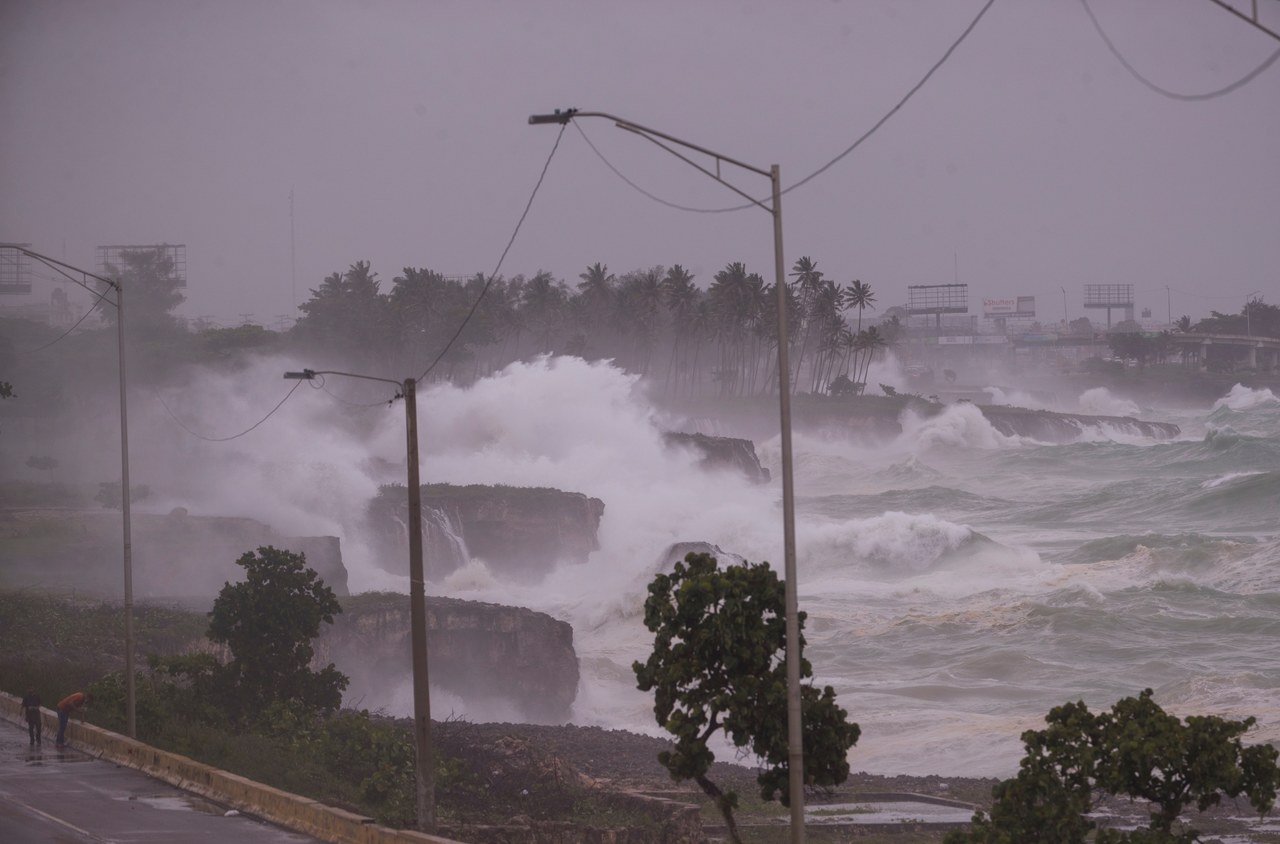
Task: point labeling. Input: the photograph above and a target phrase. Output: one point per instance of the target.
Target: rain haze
(1032, 161)
(994, 515)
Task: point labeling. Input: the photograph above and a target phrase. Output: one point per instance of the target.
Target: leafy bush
(1136, 750)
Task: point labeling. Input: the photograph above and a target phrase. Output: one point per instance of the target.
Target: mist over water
(959, 582)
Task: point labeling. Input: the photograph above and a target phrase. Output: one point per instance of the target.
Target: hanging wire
(824, 168)
(318, 383)
(501, 258)
(1165, 92)
(67, 333)
(181, 425)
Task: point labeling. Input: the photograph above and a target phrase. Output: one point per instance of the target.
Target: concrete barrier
(301, 814)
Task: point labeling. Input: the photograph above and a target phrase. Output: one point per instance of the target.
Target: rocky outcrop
(873, 420)
(496, 659)
(722, 452)
(176, 555)
(521, 533)
(677, 551)
(1047, 426)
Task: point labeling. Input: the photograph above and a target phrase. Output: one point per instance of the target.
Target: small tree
(268, 621)
(109, 494)
(718, 663)
(1136, 750)
(42, 464)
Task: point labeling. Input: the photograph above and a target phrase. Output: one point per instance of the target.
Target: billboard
(937, 299)
(1013, 306)
(162, 260)
(15, 270)
(1108, 295)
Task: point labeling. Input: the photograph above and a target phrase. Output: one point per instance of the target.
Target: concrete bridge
(1261, 354)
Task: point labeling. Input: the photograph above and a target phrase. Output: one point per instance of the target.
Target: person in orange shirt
(71, 703)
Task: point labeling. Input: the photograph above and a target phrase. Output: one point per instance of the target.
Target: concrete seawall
(292, 811)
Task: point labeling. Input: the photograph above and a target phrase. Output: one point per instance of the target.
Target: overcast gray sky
(1031, 160)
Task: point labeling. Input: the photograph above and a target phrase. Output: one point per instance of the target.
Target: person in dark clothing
(31, 709)
(71, 703)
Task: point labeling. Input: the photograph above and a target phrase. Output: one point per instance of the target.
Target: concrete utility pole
(795, 747)
(131, 721)
(425, 761)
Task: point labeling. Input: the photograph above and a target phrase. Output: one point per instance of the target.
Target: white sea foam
(959, 425)
(1100, 402)
(1226, 479)
(1016, 398)
(1241, 398)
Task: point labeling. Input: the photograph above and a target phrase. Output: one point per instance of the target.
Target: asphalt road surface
(67, 797)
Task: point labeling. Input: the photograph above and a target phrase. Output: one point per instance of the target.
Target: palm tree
(596, 300)
(681, 298)
(597, 284)
(640, 310)
(808, 281)
(732, 303)
(543, 298)
(825, 319)
(872, 341)
(859, 296)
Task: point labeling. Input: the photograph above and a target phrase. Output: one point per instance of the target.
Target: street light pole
(1248, 317)
(131, 709)
(425, 762)
(131, 721)
(795, 732)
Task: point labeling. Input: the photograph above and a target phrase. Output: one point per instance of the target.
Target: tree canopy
(268, 621)
(718, 664)
(1136, 750)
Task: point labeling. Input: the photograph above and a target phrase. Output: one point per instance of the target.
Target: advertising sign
(1022, 306)
(999, 307)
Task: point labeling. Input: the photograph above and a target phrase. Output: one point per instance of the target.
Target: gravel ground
(625, 760)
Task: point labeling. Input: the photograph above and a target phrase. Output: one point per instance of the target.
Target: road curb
(292, 811)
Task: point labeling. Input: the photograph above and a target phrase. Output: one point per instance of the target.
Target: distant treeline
(717, 338)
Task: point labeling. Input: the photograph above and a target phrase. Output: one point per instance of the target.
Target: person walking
(76, 701)
(31, 710)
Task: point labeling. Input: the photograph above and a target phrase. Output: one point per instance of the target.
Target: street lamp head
(561, 117)
(304, 375)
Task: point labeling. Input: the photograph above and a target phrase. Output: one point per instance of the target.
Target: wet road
(49, 795)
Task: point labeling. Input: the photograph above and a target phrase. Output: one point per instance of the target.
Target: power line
(501, 258)
(824, 168)
(66, 333)
(233, 436)
(318, 383)
(1165, 92)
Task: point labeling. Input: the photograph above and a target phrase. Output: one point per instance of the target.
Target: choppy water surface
(959, 583)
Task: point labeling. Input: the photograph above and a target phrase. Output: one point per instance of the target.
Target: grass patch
(354, 760)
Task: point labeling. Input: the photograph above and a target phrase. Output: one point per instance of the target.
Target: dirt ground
(629, 761)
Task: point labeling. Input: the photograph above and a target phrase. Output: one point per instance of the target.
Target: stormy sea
(959, 582)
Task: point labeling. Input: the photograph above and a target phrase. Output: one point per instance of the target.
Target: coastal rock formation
(872, 420)
(519, 532)
(720, 452)
(500, 661)
(174, 555)
(677, 551)
(1048, 426)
